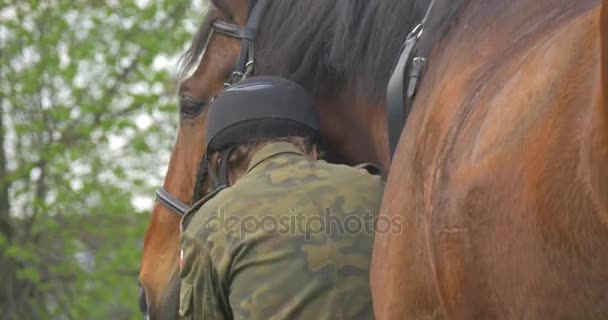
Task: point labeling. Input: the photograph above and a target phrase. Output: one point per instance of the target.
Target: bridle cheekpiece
(243, 68)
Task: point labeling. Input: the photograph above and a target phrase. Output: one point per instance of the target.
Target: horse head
(159, 271)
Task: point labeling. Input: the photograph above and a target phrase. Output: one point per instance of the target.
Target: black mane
(191, 57)
(326, 45)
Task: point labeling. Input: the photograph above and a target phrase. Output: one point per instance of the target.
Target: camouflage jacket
(291, 239)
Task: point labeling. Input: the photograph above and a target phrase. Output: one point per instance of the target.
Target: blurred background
(87, 119)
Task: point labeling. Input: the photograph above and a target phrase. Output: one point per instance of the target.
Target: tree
(87, 113)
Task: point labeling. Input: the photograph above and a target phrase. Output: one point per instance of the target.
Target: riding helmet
(260, 108)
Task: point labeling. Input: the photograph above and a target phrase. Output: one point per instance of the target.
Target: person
(285, 235)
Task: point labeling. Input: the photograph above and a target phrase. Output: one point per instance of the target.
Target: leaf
(29, 273)
(66, 94)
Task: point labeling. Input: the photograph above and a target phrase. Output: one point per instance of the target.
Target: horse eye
(190, 108)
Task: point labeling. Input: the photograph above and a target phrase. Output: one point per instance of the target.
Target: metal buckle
(235, 77)
(248, 69)
(416, 74)
(417, 31)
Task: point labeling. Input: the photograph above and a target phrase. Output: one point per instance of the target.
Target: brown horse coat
(501, 177)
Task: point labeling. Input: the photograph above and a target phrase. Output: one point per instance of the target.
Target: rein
(398, 108)
(410, 68)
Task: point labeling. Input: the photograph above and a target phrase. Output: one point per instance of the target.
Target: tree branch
(5, 225)
(68, 135)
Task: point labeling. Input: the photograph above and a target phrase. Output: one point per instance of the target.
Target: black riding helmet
(254, 109)
(260, 108)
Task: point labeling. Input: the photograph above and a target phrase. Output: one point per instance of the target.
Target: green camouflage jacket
(291, 239)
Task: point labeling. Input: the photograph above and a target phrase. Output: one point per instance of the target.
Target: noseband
(171, 202)
(242, 69)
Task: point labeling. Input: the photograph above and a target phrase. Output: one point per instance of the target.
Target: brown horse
(501, 177)
(343, 52)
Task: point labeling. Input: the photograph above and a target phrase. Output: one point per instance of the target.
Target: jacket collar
(270, 151)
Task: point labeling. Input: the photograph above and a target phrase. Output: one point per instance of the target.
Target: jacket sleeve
(200, 292)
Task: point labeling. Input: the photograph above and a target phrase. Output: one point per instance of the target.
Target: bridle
(411, 66)
(242, 69)
(398, 108)
(245, 62)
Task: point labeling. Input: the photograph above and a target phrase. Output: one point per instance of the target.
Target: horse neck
(355, 130)
(541, 62)
(491, 38)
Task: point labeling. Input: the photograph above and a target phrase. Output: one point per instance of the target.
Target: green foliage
(87, 117)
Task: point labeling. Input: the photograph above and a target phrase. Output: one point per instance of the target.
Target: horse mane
(328, 45)
(198, 45)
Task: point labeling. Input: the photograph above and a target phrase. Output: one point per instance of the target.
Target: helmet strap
(220, 179)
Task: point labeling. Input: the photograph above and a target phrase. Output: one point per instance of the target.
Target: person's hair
(239, 158)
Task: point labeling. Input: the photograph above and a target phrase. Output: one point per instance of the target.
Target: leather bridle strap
(398, 107)
(243, 67)
(233, 30)
(171, 202)
(179, 207)
(245, 61)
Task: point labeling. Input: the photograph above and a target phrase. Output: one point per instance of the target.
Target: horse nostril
(143, 305)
